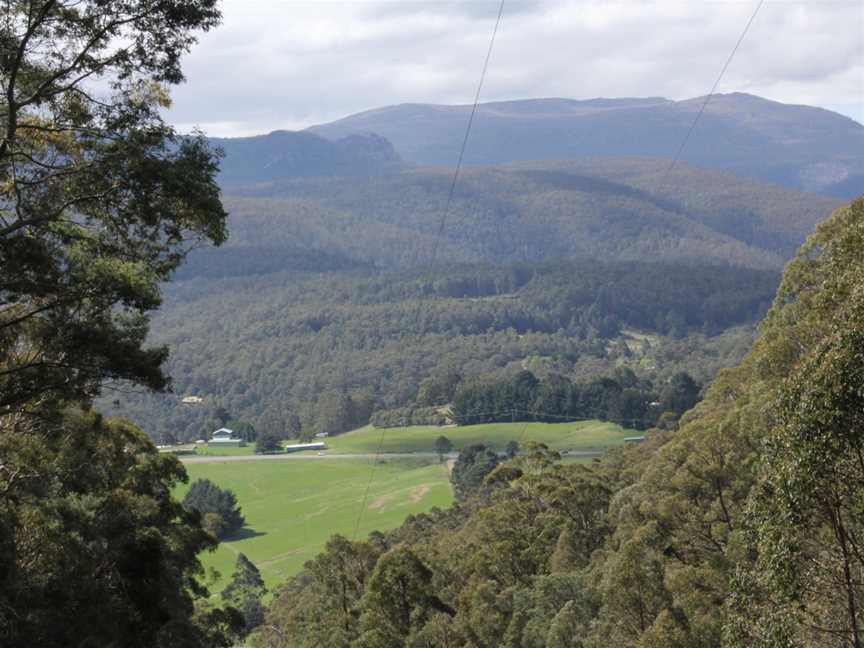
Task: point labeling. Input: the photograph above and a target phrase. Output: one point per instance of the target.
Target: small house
(224, 438)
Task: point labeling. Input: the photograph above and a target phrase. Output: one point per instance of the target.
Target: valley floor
(294, 502)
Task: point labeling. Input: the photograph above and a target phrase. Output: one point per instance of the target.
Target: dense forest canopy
(622, 398)
(617, 209)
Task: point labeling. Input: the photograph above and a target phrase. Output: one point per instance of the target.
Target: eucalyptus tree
(804, 524)
(100, 199)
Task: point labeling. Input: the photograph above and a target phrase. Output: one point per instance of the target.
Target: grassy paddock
(560, 436)
(293, 507)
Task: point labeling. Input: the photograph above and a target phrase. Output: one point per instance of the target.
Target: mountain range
(802, 147)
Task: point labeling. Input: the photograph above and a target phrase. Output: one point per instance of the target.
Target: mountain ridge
(799, 146)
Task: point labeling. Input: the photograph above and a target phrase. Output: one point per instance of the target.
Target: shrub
(206, 497)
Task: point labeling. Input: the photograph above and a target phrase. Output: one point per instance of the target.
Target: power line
(714, 88)
(548, 415)
(447, 206)
(522, 433)
(369, 483)
(445, 214)
(441, 227)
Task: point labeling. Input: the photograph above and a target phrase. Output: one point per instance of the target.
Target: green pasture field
(559, 436)
(293, 507)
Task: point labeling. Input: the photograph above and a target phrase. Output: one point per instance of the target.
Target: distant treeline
(621, 398)
(404, 416)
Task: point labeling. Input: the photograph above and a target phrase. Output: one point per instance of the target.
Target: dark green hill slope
(798, 146)
(619, 209)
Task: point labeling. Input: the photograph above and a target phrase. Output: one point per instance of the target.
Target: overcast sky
(286, 64)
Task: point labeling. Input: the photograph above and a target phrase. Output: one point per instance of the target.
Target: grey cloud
(291, 64)
(475, 9)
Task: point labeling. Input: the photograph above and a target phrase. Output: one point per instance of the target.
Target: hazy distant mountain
(285, 154)
(798, 146)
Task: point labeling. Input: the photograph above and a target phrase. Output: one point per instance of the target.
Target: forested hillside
(322, 351)
(740, 528)
(798, 146)
(615, 209)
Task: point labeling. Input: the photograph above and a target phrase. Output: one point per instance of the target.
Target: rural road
(186, 459)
